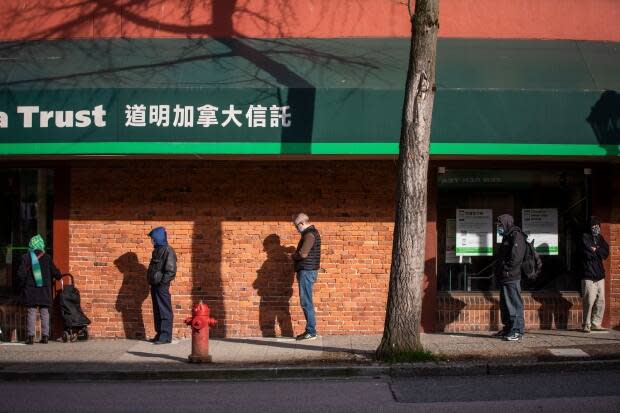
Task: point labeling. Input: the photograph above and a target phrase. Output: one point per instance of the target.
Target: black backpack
(532, 264)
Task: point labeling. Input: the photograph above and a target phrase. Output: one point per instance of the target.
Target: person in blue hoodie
(162, 270)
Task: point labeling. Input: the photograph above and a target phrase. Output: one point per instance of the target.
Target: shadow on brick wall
(554, 310)
(132, 294)
(449, 311)
(495, 321)
(274, 286)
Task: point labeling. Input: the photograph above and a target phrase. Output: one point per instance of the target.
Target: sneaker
(513, 337)
(44, 339)
(162, 342)
(596, 328)
(29, 340)
(585, 329)
(305, 336)
(500, 334)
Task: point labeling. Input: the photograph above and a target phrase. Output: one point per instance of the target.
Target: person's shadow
(274, 286)
(554, 310)
(132, 294)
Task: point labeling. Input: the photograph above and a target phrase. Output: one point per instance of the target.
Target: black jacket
(510, 255)
(592, 261)
(312, 261)
(33, 296)
(163, 266)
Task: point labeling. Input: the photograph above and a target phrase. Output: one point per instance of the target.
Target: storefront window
(25, 210)
(551, 204)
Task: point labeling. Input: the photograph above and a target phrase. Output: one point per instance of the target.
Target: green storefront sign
(303, 96)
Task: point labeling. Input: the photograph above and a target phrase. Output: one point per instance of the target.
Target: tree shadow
(604, 119)
(132, 294)
(274, 286)
(116, 60)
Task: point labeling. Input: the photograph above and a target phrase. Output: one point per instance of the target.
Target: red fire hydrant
(200, 323)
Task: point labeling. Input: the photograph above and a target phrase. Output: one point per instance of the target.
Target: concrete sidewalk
(251, 355)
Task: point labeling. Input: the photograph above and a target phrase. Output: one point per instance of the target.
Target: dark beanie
(594, 221)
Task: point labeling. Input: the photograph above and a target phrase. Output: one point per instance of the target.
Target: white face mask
(596, 230)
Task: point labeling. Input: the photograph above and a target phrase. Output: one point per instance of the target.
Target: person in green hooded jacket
(35, 275)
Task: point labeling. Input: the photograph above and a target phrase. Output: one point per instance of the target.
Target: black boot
(30, 340)
(44, 339)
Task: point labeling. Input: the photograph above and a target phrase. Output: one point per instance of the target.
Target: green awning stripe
(319, 148)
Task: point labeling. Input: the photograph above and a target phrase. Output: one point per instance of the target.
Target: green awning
(340, 96)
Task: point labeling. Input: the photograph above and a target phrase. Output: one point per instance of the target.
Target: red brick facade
(229, 222)
(218, 216)
(613, 234)
(462, 311)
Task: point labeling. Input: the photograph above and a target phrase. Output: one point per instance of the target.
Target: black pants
(511, 307)
(162, 311)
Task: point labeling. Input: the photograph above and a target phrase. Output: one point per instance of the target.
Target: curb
(310, 372)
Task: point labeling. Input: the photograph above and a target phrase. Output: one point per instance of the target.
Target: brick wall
(230, 225)
(229, 222)
(613, 235)
(458, 312)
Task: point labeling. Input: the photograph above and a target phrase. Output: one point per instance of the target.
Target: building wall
(229, 222)
(223, 219)
(461, 311)
(613, 234)
(524, 19)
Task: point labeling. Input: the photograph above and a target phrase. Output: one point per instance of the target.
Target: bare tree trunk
(404, 307)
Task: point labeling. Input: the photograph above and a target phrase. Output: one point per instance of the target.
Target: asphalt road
(568, 392)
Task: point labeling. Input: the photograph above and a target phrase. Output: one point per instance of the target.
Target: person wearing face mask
(508, 274)
(594, 250)
(162, 270)
(307, 259)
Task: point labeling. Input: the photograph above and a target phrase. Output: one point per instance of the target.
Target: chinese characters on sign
(474, 232)
(256, 116)
(541, 225)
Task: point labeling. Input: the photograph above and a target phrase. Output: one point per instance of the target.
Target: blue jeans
(306, 280)
(511, 307)
(162, 311)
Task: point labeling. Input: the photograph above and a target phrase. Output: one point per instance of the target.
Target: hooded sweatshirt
(511, 252)
(159, 236)
(163, 266)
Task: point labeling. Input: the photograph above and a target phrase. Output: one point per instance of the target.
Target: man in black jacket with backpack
(594, 250)
(508, 274)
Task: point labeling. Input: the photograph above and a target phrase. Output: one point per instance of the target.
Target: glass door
(26, 196)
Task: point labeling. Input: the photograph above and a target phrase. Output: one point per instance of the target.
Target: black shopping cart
(74, 320)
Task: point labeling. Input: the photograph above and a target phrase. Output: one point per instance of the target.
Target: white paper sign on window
(541, 225)
(474, 232)
(451, 257)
